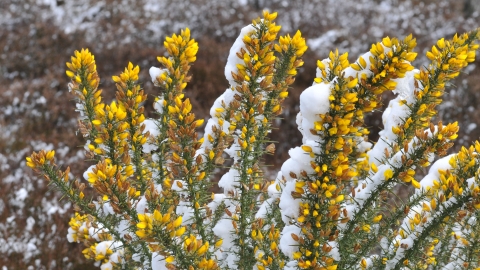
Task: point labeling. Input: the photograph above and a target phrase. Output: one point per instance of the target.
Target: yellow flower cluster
(130, 97)
(421, 111)
(276, 76)
(451, 184)
(296, 42)
(340, 162)
(130, 74)
(329, 263)
(177, 113)
(447, 61)
(257, 61)
(266, 246)
(75, 233)
(183, 138)
(166, 223)
(182, 116)
(91, 253)
(179, 141)
(84, 85)
(197, 249)
(83, 228)
(111, 130)
(298, 45)
(439, 143)
(389, 59)
(195, 253)
(37, 160)
(332, 167)
(183, 50)
(399, 64)
(115, 130)
(438, 211)
(111, 182)
(80, 226)
(386, 61)
(83, 69)
(130, 94)
(430, 83)
(451, 56)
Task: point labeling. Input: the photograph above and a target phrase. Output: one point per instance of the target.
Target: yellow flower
(145, 221)
(415, 183)
(388, 174)
(30, 162)
(377, 219)
(374, 168)
(352, 83)
(307, 148)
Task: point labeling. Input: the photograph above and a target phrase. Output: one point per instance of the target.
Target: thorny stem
(431, 227)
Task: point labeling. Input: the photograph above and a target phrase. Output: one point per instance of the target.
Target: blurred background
(37, 111)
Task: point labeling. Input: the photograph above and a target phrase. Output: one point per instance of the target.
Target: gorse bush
(333, 205)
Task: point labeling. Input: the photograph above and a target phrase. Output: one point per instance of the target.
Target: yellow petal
(388, 174)
(352, 83)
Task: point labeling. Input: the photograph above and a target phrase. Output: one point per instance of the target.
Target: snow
(433, 174)
(158, 105)
(291, 166)
(233, 60)
(30, 223)
(224, 229)
(274, 190)
(471, 127)
(152, 128)
(288, 205)
(264, 208)
(394, 115)
(291, 265)
(155, 73)
(364, 189)
(217, 200)
(186, 212)
(229, 180)
(106, 266)
(287, 244)
(102, 247)
(21, 194)
(325, 40)
(314, 101)
(429, 216)
(407, 242)
(350, 72)
(334, 253)
(158, 262)
(141, 205)
(88, 171)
